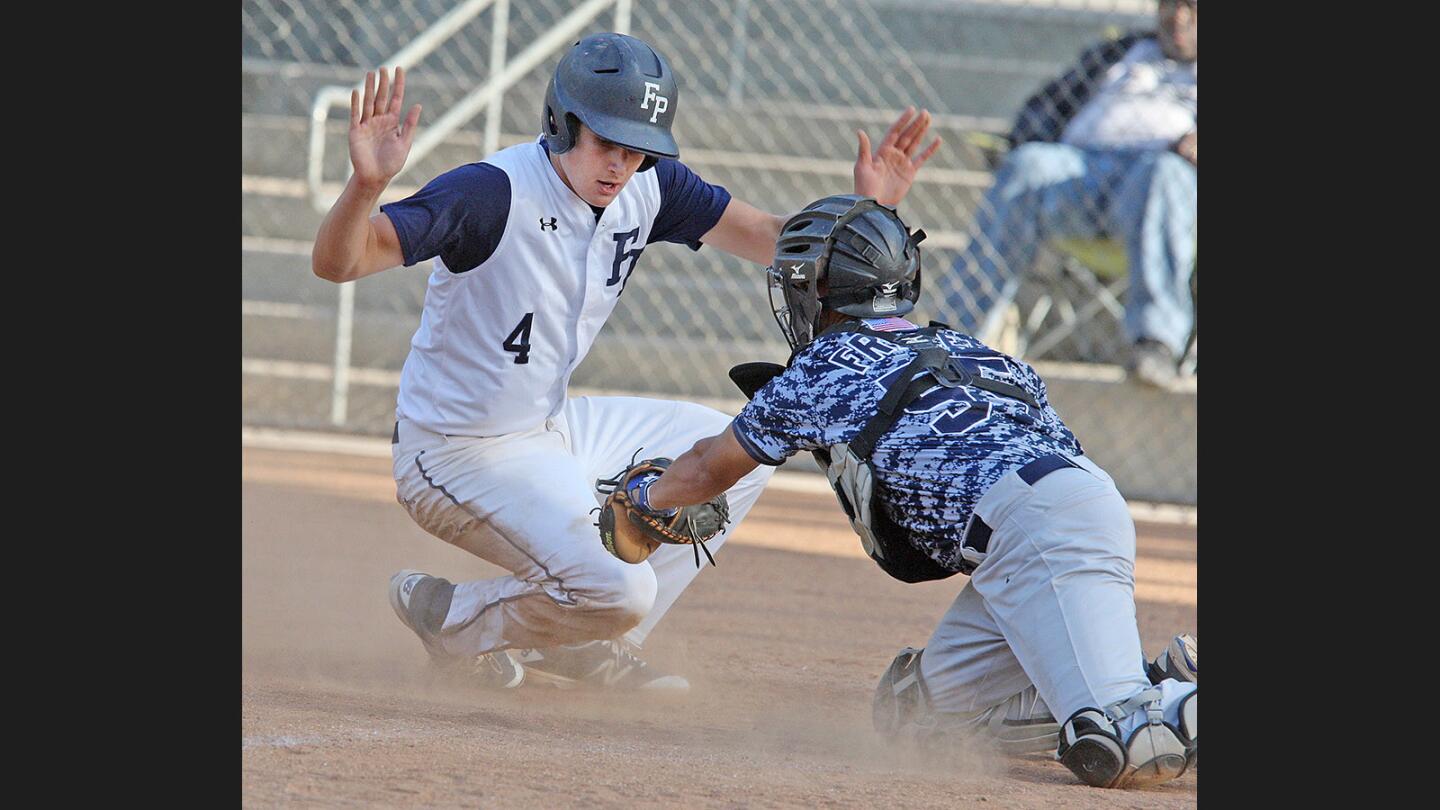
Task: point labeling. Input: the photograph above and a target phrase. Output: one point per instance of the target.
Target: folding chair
(1078, 296)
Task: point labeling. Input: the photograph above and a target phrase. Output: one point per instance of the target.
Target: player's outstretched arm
(709, 468)
(352, 244)
(745, 231)
(887, 173)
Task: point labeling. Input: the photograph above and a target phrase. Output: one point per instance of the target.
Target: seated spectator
(1107, 150)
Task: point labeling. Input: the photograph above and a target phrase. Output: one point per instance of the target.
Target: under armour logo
(548, 226)
(662, 103)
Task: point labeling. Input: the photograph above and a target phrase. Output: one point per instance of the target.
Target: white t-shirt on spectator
(1146, 101)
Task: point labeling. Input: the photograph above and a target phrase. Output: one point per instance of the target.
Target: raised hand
(887, 173)
(378, 142)
(1188, 147)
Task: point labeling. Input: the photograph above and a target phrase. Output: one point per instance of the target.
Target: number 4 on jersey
(519, 340)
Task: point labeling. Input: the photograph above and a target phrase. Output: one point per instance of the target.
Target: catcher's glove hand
(630, 530)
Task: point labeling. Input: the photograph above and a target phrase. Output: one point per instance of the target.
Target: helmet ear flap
(572, 131)
(560, 126)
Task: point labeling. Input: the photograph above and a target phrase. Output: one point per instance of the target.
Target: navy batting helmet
(859, 249)
(619, 87)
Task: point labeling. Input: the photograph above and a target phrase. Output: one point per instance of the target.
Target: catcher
(948, 458)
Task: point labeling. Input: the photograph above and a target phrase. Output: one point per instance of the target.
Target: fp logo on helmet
(662, 103)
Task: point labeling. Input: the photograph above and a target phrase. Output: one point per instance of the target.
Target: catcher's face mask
(794, 302)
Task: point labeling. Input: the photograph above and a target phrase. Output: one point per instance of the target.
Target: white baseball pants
(1050, 609)
(525, 502)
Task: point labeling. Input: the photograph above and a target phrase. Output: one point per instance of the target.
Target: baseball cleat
(1180, 660)
(606, 664)
(1024, 736)
(421, 601)
(496, 670)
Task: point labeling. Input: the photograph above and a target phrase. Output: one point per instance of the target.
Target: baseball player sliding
(948, 458)
(531, 248)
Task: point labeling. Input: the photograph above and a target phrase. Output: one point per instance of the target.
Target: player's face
(597, 169)
(1179, 29)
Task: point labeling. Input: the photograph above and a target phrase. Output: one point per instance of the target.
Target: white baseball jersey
(525, 273)
(489, 454)
(1145, 102)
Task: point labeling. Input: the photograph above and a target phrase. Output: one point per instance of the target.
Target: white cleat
(606, 664)
(421, 601)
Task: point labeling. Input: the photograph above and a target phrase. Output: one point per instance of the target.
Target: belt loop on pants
(416, 437)
(1043, 466)
(977, 532)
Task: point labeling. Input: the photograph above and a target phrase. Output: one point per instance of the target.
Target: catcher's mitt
(631, 532)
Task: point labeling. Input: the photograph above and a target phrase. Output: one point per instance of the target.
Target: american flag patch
(888, 324)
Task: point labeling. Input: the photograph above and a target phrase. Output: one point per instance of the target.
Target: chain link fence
(771, 93)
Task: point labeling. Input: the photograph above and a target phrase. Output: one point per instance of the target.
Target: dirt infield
(782, 644)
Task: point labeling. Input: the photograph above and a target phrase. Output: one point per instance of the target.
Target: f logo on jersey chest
(623, 240)
(548, 225)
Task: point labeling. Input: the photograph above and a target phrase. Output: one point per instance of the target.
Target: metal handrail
(468, 107)
(490, 94)
(334, 95)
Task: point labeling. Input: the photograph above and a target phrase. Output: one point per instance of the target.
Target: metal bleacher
(772, 93)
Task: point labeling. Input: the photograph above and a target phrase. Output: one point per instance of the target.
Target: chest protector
(848, 466)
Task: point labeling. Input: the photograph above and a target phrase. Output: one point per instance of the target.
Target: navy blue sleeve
(459, 216)
(689, 206)
(792, 411)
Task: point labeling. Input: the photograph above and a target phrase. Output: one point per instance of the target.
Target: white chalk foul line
(278, 741)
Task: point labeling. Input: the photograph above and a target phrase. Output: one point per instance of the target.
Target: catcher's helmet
(862, 251)
(619, 87)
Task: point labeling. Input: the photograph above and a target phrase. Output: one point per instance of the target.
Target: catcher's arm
(709, 468)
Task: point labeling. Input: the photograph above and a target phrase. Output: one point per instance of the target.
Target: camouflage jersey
(944, 452)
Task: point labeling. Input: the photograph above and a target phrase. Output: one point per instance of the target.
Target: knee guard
(902, 710)
(901, 698)
(1156, 751)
